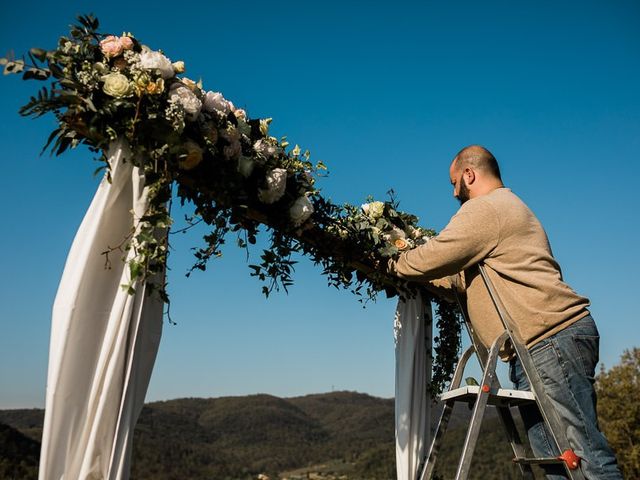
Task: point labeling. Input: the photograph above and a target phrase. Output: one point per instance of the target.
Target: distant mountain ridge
(335, 435)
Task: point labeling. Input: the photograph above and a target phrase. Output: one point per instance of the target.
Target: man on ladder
(494, 227)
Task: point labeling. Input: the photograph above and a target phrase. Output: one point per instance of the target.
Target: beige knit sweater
(499, 230)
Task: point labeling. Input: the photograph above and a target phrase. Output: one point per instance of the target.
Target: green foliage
(18, 455)
(618, 392)
(446, 345)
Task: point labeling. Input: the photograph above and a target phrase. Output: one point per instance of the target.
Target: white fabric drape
(103, 340)
(412, 332)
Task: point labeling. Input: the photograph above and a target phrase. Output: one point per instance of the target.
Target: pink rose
(127, 42)
(111, 46)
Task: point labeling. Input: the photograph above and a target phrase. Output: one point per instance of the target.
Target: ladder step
(538, 461)
(502, 398)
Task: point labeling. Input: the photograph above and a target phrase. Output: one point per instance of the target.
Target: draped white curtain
(412, 332)
(103, 340)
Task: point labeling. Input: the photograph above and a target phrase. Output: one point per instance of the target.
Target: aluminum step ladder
(488, 393)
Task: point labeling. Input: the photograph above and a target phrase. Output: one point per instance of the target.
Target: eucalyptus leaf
(39, 53)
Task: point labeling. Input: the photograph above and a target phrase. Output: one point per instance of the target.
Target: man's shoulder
(513, 212)
(490, 202)
(501, 198)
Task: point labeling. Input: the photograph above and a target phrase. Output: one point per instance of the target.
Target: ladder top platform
(503, 397)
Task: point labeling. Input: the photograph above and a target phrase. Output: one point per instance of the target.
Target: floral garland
(237, 176)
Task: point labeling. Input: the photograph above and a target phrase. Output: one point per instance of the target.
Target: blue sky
(385, 94)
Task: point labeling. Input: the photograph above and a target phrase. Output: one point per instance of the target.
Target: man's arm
(469, 237)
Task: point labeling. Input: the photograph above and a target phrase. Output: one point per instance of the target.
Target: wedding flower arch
(195, 145)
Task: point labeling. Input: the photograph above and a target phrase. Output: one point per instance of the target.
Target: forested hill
(332, 435)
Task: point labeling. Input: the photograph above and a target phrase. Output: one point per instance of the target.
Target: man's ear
(470, 175)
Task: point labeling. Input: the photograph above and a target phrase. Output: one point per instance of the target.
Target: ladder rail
(427, 468)
(505, 415)
(479, 408)
(547, 410)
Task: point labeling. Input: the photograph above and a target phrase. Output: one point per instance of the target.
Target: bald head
(479, 159)
(474, 172)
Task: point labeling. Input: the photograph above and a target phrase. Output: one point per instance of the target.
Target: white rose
(376, 209)
(150, 60)
(215, 102)
(276, 184)
(117, 85)
(185, 97)
(301, 210)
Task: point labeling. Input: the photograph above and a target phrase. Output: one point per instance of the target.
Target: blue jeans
(566, 363)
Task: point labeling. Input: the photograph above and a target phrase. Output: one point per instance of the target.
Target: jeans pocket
(587, 347)
(548, 363)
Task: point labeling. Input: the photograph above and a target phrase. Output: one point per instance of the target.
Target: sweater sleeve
(470, 236)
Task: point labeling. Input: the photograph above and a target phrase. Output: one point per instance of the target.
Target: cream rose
(373, 210)
(150, 60)
(117, 85)
(301, 210)
(276, 184)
